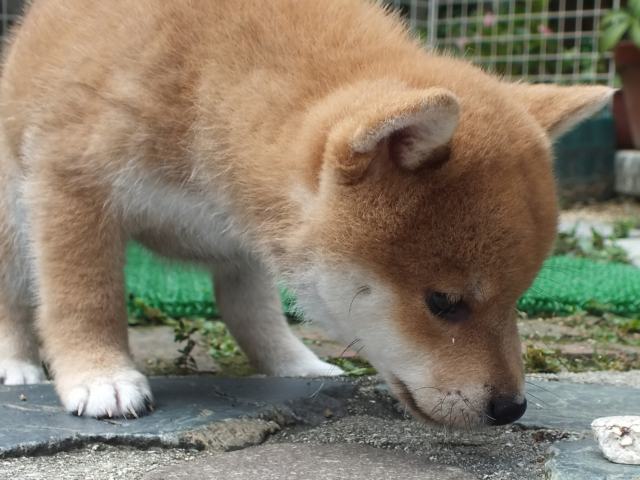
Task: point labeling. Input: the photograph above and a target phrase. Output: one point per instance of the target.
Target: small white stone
(626, 440)
(619, 438)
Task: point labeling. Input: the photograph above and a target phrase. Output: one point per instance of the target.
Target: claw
(109, 413)
(133, 412)
(80, 409)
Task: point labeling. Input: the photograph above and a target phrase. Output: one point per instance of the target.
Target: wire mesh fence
(9, 12)
(538, 40)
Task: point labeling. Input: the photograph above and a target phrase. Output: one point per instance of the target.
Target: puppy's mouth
(405, 396)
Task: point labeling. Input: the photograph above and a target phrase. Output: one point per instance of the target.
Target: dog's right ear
(559, 108)
(387, 122)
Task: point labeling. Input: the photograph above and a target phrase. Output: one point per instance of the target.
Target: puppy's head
(430, 212)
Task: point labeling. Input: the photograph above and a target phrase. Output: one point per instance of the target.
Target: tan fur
(312, 132)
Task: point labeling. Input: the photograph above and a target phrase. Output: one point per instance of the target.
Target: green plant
(544, 360)
(353, 366)
(145, 315)
(595, 247)
(183, 331)
(518, 39)
(628, 325)
(222, 346)
(538, 360)
(621, 23)
(622, 227)
(212, 333)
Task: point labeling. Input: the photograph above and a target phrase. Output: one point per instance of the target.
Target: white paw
(312, 367)
(19, 372)
(124, 393)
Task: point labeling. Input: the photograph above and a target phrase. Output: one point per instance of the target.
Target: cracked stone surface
(572, 407)
(190, 412)
(312, 462)
(357, 424)
(582, 460)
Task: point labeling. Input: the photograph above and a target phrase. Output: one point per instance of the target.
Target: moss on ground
(610, 343)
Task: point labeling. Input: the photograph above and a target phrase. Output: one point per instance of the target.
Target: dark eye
(447, 307)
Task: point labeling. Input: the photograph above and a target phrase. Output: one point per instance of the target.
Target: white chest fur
(176, 221)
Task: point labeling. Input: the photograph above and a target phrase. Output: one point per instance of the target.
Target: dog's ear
(387, 122)
(557, 108)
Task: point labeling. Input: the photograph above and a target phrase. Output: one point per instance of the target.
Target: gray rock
(582, 460)
(200, 412)
(311, 462)
(572, 407)
(619, 438)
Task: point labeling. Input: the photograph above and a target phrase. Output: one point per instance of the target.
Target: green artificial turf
(174, 289)
(566, 285)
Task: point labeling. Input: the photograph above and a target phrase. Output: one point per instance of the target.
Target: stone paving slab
(572, 407)
(228, 414)
(190, 411)
(286, 461)
(582, 460)
(630, 378)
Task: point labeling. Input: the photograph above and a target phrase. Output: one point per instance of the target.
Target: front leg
(250, 306)
(19, 359)
(79, 257)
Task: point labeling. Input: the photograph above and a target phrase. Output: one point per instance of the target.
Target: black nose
(505, 409)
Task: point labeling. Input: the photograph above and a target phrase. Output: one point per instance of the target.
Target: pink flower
(461, 42)
(489, 19)
(544, 29)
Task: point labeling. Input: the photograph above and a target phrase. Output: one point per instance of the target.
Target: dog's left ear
(558, 109)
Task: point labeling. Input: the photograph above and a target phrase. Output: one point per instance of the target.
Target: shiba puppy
(407, 198)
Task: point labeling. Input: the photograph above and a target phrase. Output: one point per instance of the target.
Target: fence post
(413, 14)
(433, 23)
